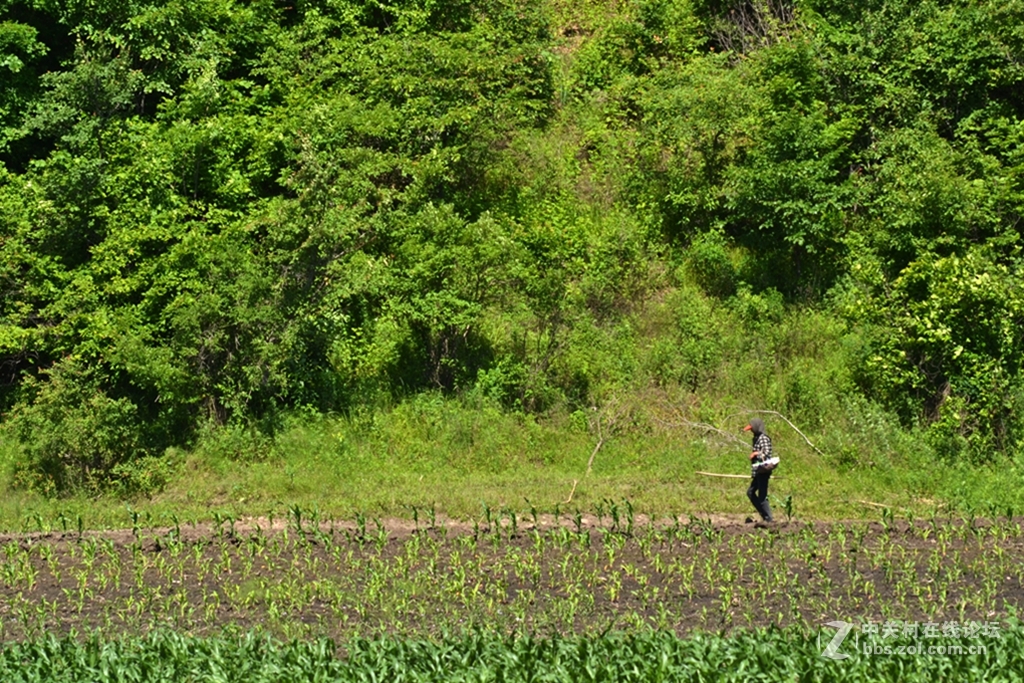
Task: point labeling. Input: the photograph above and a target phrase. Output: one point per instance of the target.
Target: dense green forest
(219, 215)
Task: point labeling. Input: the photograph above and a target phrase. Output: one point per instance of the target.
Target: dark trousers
(758, 495)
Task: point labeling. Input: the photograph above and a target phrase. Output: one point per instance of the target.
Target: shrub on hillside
(73, 436)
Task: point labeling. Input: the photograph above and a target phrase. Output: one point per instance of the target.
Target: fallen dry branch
(569, 499)
(590, 463)
(600, 442)
(878, 505)
(724, 476)
(731, 476)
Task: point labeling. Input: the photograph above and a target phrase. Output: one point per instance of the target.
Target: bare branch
(752, 24)
(877, 505)
(724, 476)
(703, 426)
(784, 419)
(729, 476)
(600, 442)
(569, 499)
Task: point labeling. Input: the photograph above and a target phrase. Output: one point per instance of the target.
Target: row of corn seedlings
(316, 576)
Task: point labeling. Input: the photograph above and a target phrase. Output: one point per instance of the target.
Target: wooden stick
(731, 476)
(590, 463)
(879, 505)
(724, 476)
(600, 442)
(569, 499)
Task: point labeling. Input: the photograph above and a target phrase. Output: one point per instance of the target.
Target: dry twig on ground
(569, 499)
(724, 476)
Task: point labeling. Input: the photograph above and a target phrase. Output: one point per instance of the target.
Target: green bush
(73, 436)
(709, 265)
(142, 476)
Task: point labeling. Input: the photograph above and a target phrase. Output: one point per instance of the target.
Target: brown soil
(344, 579)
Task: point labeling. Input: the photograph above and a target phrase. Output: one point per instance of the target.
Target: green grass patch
(454, 456)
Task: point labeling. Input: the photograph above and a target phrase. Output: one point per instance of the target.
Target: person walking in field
(762, 462)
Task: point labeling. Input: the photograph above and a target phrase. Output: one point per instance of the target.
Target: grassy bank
(454, 456)
(674, 380)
